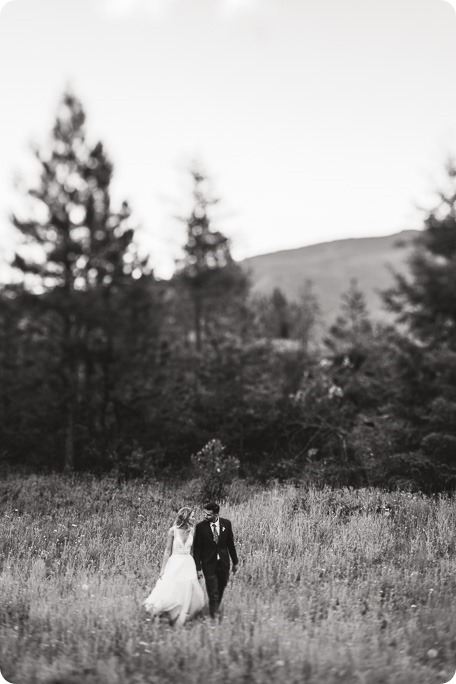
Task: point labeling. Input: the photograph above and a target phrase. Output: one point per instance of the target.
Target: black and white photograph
(227, 341)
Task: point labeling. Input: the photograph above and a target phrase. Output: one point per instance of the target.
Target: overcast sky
(317, 119)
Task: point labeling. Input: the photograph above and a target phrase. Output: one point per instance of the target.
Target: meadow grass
(334, 586)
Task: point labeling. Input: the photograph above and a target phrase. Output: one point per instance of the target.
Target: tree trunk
(69, 439)
(106, 365)
(198, 322)
(69, 380)
(198, 346)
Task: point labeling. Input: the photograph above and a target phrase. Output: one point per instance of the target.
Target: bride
(177, 592)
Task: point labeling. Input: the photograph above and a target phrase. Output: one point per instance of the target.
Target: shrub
(215, 470)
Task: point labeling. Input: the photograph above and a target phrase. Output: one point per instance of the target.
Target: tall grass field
(333, 586)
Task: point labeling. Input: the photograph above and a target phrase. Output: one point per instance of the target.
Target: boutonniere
(223, 529)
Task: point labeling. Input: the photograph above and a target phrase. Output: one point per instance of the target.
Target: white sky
(317, 119)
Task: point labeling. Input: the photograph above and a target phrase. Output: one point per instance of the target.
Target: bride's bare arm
(168, 550)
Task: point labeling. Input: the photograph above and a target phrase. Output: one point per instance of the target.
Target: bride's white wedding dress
(178, 592)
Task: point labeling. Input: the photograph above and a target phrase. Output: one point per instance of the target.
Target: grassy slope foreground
(334, 587)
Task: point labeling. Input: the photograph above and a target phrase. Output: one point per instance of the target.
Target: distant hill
(331, 265)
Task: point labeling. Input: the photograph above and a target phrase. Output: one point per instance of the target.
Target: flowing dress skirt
(178, 592)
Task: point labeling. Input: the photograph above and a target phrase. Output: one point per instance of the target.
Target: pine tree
(425, 306)
(280, 312)
(207, 266)
(308, 315)
(425, 301)
(207, 276)
(274, 315)
(77, 253)
(350, 334)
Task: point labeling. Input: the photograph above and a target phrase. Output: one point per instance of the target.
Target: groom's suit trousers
(216, 581)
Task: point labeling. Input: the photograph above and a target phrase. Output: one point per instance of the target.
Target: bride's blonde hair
(183, 517)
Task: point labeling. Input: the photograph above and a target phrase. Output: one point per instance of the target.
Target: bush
(215, 470)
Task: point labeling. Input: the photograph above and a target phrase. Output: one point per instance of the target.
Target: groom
(212, 547)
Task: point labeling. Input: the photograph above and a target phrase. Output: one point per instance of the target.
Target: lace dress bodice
(182, 543)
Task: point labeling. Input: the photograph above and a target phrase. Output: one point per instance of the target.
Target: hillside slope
(331, 265)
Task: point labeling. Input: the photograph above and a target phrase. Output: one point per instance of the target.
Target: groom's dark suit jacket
(205, 549)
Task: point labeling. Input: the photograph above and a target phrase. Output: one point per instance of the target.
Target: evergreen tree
(308, 315)
(425, 300)
(274, 315)
(425, 306)
(361, 355)
(349, 336)
(77, 254)
(280, 314)
(207, 276)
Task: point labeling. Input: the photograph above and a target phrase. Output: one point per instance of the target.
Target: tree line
(104, 366)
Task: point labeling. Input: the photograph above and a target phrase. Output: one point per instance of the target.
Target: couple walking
(178, 592)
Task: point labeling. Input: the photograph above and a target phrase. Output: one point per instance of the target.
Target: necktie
(215, 533)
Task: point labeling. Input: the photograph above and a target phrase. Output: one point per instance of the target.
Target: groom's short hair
(212, 506)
